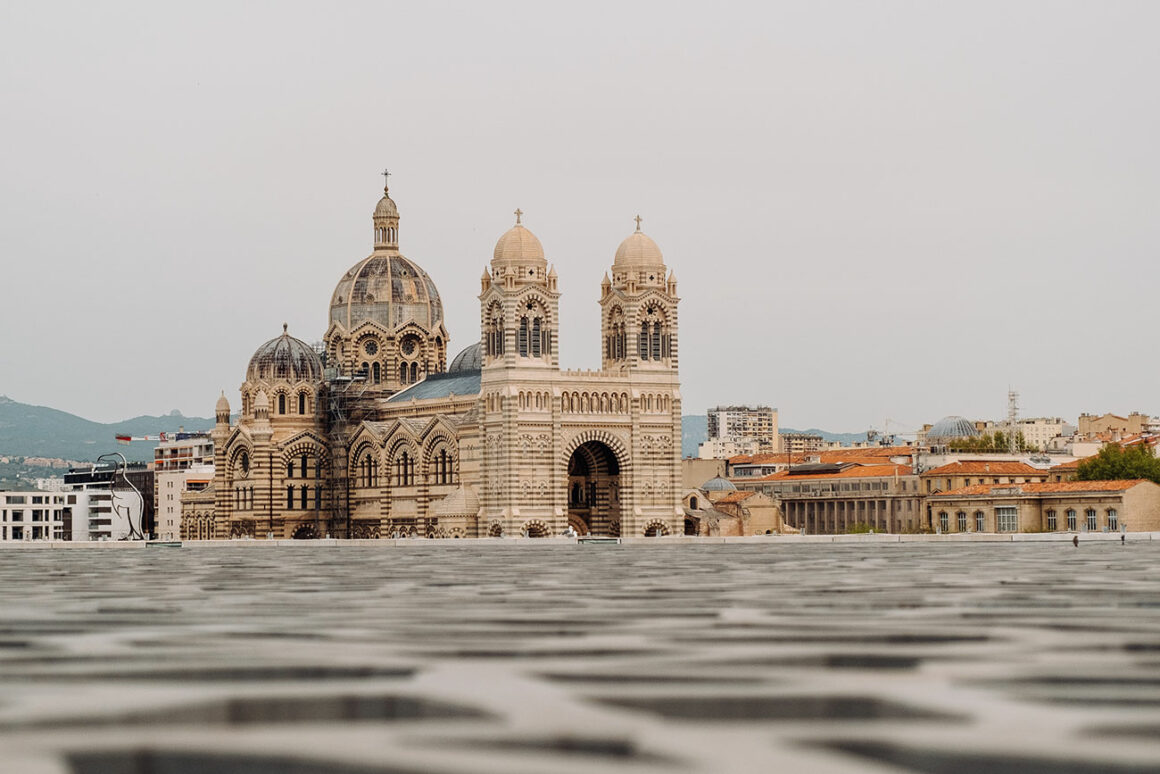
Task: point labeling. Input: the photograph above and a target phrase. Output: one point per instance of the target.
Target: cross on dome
(386, 174)
(638, 219)
(518, 213)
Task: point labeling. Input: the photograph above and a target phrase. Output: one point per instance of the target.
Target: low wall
(785, 540)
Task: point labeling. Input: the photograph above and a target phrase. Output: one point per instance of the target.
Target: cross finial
(386, 175)
(518, 213)
(285, 327)
(638, 219)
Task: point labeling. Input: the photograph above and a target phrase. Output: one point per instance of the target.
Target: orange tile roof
(856, 471)
(1056, 487)
(834, 455)
(985, 467)
(1073, 465)
(734, 497)
(761, 459)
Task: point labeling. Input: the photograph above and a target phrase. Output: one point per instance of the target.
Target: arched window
(1052, 521)
(414, 372)
(693, 503)
(943, 522)
(302, 496)
(304, 460)
(1071, 525)
(1091, 524)
(289, 498)
(281, 403)
(962, 521)
(643, 341)
(980, 521)
(522, 346)
(1113, 520)
(301, 403)
(376, 372)
(537, 340)
(290, 469)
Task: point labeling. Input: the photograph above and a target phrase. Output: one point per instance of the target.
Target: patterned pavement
(514, 657)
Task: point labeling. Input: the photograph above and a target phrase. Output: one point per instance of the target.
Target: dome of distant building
(718, 484)
(949, 428)
(638, 251)
(467, 360)
(285, 359)
(388, 289)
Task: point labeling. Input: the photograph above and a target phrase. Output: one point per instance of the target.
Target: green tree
(1115, 462)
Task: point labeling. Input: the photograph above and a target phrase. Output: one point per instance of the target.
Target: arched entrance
(594, 490)
(305, 532)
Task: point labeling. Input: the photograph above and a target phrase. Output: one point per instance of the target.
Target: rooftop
(980, 467)
(1040, 488)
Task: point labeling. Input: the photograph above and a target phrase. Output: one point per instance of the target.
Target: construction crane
(125, 440)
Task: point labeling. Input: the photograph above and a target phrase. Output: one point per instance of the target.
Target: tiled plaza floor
(442, 658)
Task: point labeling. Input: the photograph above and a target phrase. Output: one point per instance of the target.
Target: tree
(1114, 462)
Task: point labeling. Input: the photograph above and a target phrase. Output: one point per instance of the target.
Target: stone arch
(495, 530)
(609, 439)
(656, 528)
(304, 532)
(535, 528)
(437, 469)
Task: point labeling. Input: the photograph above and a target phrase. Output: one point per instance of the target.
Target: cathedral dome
(468, 360)
(388, 289)
(518, 246)
(285, 359)
(638, 251)
(223, 404)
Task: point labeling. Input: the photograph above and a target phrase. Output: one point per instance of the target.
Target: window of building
(980, 521)
(281, 403)
(1071, 520)
(289, 498)
(1091, 524)
(943, 522)
(1007, 518)
(1113, 520)
(1052, 522)
(962, 519)
(376, 373)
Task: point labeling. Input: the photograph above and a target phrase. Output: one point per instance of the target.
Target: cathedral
(376, 434)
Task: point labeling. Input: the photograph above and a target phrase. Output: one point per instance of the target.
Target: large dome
(389, 289)
(949, 428)
(284, 359)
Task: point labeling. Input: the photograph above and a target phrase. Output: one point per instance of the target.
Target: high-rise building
(751, 428)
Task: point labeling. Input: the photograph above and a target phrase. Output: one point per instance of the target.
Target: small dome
(223, 404)
(518, 245)
(466, 361)
(718, 484)
(638, 251)
(389, 289)
(386, 207)
(261, 401)
(949, 428)
(462, 502)
(285, 359)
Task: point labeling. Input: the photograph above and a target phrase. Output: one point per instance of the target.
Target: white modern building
(184, 459)
(31, 515)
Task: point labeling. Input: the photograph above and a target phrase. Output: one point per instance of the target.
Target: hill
(39, 431)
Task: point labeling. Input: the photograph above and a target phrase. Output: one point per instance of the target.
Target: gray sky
(875, 209)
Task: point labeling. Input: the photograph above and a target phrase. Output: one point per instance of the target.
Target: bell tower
(639, 307)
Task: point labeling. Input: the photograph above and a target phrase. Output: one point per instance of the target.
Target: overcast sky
(875, 210)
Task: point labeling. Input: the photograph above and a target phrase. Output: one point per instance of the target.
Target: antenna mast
(1012, 420)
